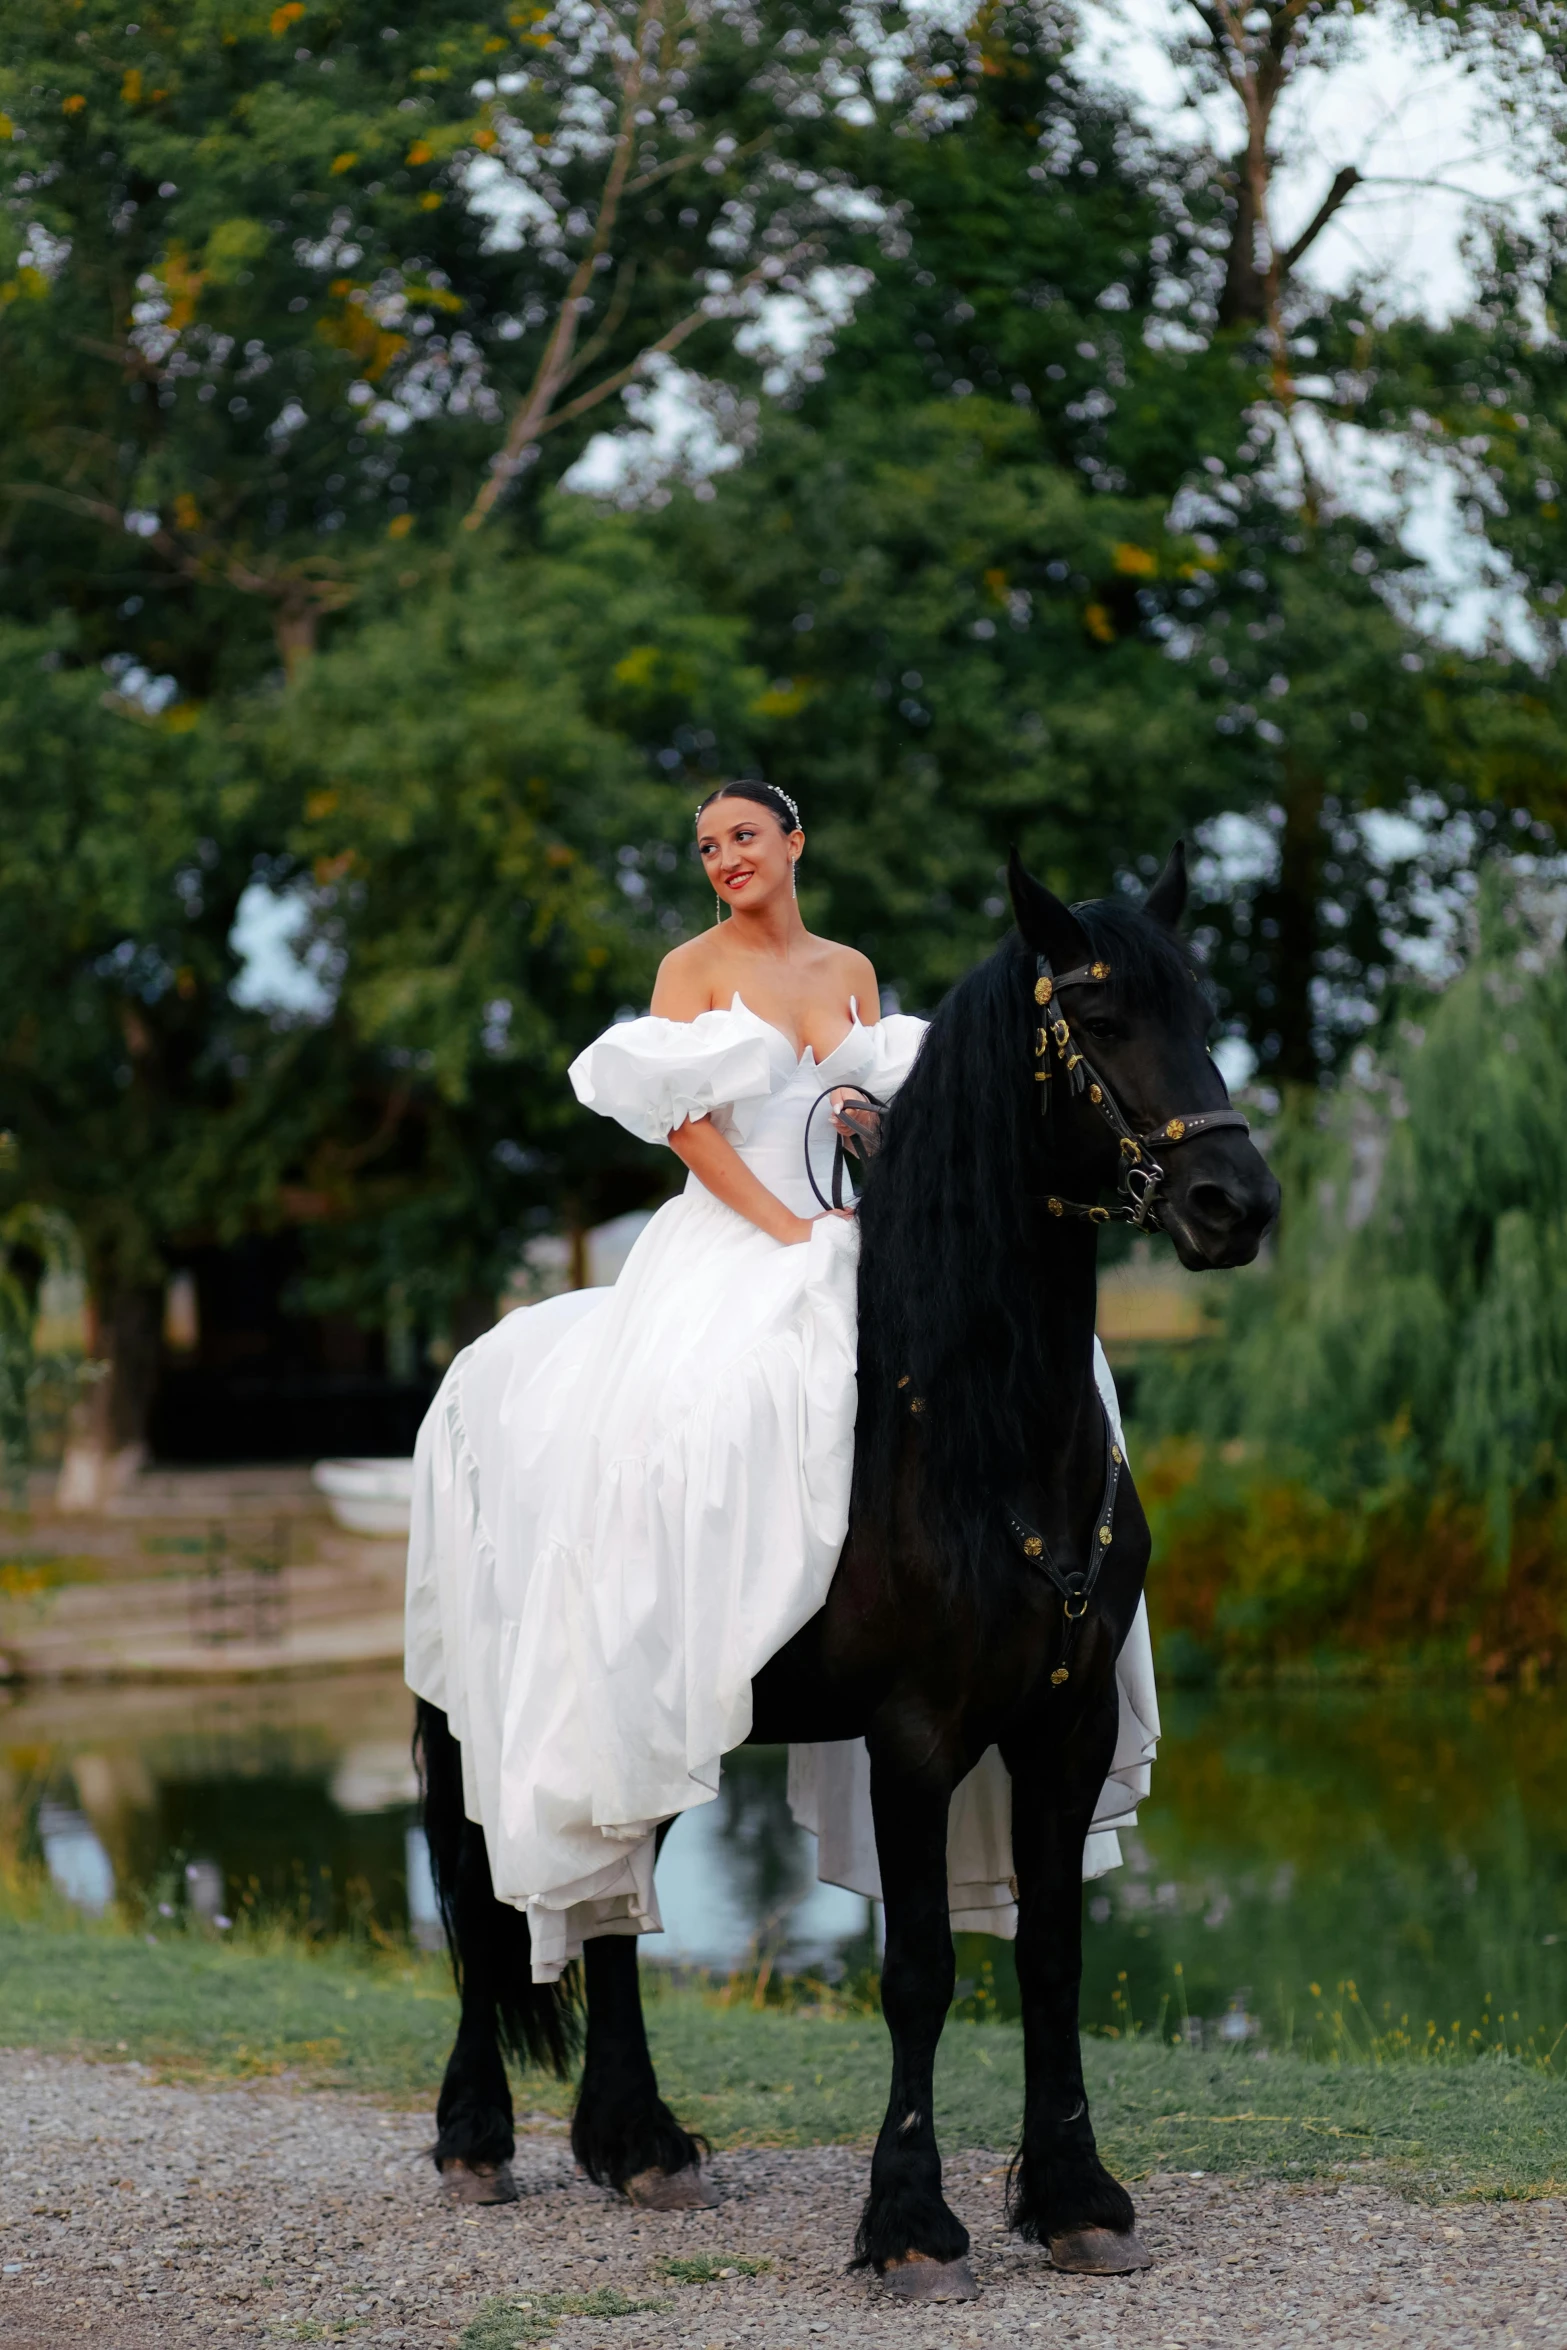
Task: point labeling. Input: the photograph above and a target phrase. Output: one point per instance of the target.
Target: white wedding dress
(626, 1500)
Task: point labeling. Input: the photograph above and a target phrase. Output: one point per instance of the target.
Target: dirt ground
(146, 2217)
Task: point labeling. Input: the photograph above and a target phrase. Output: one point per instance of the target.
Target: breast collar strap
(1075, 1584)
(1141, 1174)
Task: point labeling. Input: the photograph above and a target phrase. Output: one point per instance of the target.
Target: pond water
(1412, 1844)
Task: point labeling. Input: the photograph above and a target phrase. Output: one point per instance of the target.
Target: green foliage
(35, 1242)
(1029, 563)
(276, 283)
(1418, 1273)
(489, 868)
(1023, 558)
(122, 853)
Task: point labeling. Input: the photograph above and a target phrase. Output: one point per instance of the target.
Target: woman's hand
(855, 1121)
(802, 1224)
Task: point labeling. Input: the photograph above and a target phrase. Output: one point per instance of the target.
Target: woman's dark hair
(765, 795)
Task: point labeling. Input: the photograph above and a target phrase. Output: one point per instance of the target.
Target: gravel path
(144, 2217)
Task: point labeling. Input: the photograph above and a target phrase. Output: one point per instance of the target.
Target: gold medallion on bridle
(1044, 989)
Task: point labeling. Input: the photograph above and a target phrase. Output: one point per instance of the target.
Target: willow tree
(1420, 1277)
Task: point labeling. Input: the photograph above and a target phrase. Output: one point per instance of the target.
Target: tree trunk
(1290, 907)
(106, 1441)
(1244, 301)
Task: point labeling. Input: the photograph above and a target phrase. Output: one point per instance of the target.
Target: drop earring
(794, 877)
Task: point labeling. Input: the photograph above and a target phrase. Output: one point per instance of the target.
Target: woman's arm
(719, 1168)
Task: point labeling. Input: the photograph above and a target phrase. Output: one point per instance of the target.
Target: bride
(627, 1500)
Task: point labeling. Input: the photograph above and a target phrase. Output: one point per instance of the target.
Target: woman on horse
(628, 1500)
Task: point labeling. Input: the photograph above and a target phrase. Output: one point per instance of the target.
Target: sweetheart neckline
(808, 1052)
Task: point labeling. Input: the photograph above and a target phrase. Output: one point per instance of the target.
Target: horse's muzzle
(1218, 1210)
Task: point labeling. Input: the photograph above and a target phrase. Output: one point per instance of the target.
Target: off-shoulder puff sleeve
(894, 1041)
(651, 1075)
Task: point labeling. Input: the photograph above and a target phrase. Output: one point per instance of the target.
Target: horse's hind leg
(906, 2231)
(475, 2139)
(1060, 2192)
(622, 2132)
(501, 2005)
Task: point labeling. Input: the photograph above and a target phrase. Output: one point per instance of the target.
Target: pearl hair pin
(777, 795)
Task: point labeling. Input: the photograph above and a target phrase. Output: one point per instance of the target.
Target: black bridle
(1141, 1174)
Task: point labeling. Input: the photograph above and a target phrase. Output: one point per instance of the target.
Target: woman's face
(745, 852)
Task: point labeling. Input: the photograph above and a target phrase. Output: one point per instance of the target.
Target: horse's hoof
(671, 2190)
(919, 2278)
(1099, 2252)
(478, 2182)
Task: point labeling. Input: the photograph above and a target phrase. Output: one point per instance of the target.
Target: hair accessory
(777, 793)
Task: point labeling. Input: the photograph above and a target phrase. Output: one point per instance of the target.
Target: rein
(865, 1145)
(1141, 1174)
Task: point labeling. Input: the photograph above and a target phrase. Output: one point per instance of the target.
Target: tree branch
(667, 342)
(555, 365)
(1345, 181)
(619, 304)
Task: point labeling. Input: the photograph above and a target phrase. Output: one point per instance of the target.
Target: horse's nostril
(1214, 1204)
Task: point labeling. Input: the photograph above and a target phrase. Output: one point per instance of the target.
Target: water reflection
(76, 1861)
(1412, 1842)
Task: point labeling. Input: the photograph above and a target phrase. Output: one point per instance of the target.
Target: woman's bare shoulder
(684, 986)
(856, 974)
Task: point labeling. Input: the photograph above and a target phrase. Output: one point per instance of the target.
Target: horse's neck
(1067, 1406)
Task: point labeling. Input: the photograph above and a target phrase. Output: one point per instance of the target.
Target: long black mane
(952, 1239)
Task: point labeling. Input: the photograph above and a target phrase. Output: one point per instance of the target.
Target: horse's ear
(1166, 901)
(1049, 927)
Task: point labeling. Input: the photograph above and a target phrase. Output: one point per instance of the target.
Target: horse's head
(1129, 1092)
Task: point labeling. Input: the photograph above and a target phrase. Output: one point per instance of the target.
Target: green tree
(1034, 560)
(277, 282)
(277, 285)
(494, 865)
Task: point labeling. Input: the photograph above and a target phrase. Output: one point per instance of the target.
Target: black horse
(993, 1566)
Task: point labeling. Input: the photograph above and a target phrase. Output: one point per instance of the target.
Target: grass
(193, 2006)
(506, 2320)
(710, 2268)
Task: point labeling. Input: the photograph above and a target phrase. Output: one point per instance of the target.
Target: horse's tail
(490, 1946)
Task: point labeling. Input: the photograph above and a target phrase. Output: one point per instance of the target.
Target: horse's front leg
(1060, 2193)
(906, 2231)
(622, 2132)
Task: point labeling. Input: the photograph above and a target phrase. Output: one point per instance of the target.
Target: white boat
(368, 1496)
